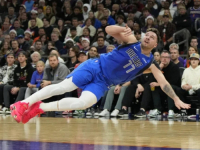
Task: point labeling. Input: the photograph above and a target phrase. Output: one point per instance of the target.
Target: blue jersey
(124, 63)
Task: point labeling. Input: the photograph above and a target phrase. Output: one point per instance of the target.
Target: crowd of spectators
(42, 41)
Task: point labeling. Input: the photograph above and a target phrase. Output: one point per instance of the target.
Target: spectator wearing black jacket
(22, 76)
(182, 20)
(24, 45)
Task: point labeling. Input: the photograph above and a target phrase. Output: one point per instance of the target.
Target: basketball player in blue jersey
(95, 76)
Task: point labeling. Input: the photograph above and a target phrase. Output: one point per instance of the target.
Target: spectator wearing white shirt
(78, 28)
(6, 76)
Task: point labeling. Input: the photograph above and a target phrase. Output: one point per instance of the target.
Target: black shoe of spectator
(141, 114)
(123, 113)
(97, 112)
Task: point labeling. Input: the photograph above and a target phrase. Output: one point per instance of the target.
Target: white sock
(55, 89)
(86, 100)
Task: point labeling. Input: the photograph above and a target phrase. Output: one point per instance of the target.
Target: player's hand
(127, 31)
(117, 89)
(179, 104)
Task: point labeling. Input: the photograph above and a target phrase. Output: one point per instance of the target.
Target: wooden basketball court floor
(44, 133)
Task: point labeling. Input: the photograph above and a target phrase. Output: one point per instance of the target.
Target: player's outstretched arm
(121, 33)
(165, 86)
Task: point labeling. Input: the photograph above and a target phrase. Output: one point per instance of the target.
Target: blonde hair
(40, 62)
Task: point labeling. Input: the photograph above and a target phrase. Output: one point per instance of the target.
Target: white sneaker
(115, 113)
(5, 111)
(171, 114)
(104, 113)
(89, 113)
(155, 113)
(150, 112)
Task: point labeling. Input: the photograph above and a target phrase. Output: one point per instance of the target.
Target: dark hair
(72, 28)
(14, 41)
(104, 18)
(156, 32)
(76, 50)
(38, 41)
(33, 19)
(75, 18)
(87, 29)
(166, 51)
(100, 37)
(40, 7)
(77, 8)
(47, 19)
(194, 37)
(120, 17)
(23, 53)
(145, 9)
(137, 32)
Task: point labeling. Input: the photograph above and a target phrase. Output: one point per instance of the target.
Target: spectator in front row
(22, 76)
(6, 78)
(191, 77)
(35, 57)
(54, 73)
(54, 51)
(174, 57)
(36, 79)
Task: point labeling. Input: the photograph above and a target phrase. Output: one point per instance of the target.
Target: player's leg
(86, 100)
(55, 89)
(20, 107)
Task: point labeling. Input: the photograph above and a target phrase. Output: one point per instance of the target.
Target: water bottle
(197, 114)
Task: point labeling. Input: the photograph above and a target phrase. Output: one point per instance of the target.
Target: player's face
(149, 41)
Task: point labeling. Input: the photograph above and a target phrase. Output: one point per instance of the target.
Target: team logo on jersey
(134, 61)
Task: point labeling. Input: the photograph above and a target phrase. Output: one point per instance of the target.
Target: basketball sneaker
(17, 110)
(33, 111)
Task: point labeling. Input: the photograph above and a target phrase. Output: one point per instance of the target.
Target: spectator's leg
(146, 96)
(103, 100)
(157, 98)
(30, 91)
(1, 94)
(21, 94)
(198, 94)
(121, 96)
(109, 98)
(129, 96)
(6, 95)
